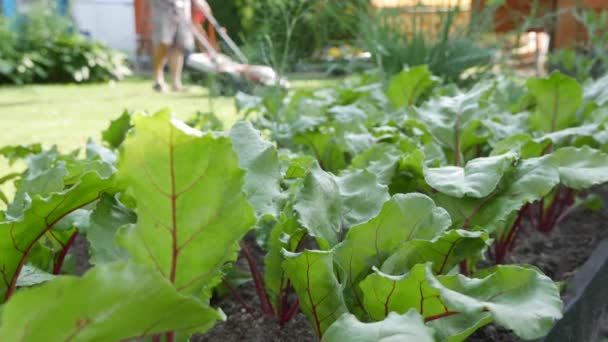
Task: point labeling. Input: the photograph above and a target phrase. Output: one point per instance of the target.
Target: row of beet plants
(374, 207)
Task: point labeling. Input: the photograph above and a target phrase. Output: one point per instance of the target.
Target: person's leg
(160, 57)
(176, 64)
(184, 40)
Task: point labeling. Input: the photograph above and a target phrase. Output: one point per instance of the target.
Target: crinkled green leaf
(96, 151)
(19, 235)
(407, 86)
(407, 327)
(478, 178)
(558, 98)
(260, 160)
(206, 121)
(190, 205)
(450, 118)
(31, 276)
(111, 302)
(105, 220)
(380, 159)
(444, 251)
(328, 205)
(324, 147)
(522, 144)
(312, 276)
(597, 91)
(458, 328)
(564, 136)
(580, 168)
(519, 298)
(531, 180)
(296, 166)
(383, 293)
(45, 174)
(285, 235)
(14, 153)
(403, 218)
(116, 132)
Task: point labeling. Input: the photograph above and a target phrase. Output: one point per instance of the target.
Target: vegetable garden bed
(381, 212)
(558, 254)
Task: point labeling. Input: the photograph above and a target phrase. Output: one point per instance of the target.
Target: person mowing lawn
(172, 36)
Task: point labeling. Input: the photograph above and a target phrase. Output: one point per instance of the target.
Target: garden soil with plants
(558, 254)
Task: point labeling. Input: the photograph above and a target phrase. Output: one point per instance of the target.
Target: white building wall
(109, 21)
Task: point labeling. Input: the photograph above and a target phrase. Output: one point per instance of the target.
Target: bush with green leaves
(399, 37)
(41, 47)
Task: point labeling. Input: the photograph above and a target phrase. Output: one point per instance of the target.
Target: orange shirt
(198, 17)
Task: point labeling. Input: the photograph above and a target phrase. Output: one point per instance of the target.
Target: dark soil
(558, 254)
(240, 326)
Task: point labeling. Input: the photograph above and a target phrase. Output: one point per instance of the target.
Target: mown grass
(66, 115)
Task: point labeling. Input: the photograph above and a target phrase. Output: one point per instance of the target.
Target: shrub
(41, 47)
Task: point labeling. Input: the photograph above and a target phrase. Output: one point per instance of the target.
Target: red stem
(284, 291)
(541, 213)
(258, 281)
(174, 248)
(156, 338)
(170, 336)
(284, 300)
(13, 285)
(293, 310)
(279, 299)
(564, 205)
(547, 220)
(503, 244)
(464, 268)
(443, 315)
(240, 299)
(64, 253)
(531, 215)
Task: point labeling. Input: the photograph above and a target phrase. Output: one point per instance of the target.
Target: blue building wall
(9, 7)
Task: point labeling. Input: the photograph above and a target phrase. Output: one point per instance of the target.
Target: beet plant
(375, 207)
(152, 278)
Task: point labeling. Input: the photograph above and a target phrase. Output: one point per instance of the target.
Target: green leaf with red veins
(477, 179)
(580, 168)
(518, 298)
(320, 294)
(190, 205)
(285, 235)
(409, 85)
(403, 218)
(407, 327)
(444, 251)
(450, 118)
(329, 205)
(19, 236)
(558, 98)
(384, 293)
(531, 180)
(112, 302)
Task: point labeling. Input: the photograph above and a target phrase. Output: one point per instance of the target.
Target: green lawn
(66, 115)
